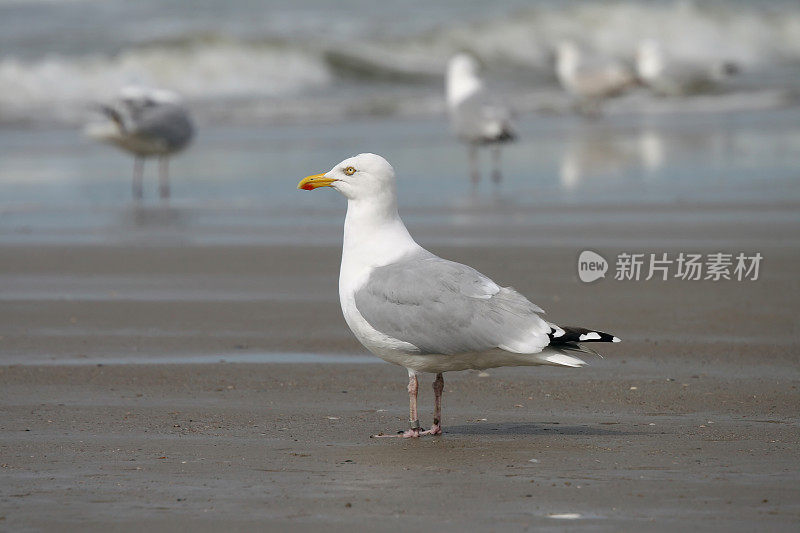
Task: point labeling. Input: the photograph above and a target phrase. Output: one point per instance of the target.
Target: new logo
(591, 266)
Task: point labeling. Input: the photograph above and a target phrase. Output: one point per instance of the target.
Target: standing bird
(590, 81)
(414, 309)
(146, 122)
(475, 117)
(671, 77)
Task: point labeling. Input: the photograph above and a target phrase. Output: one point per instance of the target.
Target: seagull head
(146, 96)
(463, 77)
(568, 56)
(463, 65)
(363, 177)
(649, 59)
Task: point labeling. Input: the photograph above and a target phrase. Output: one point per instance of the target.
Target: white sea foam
(220, 71)
(748, 35)
(326, 73)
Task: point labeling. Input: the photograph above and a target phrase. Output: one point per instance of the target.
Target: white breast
(377, 246)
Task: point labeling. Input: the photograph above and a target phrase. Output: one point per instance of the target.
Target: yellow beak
(316, 180)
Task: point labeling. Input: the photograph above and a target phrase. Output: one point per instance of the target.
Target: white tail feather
(560, 359)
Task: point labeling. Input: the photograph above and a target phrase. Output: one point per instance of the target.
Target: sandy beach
(111, 422)
(173, 355)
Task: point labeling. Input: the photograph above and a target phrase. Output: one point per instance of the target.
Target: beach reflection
(154, 217)
(652, 152)
(593, 154)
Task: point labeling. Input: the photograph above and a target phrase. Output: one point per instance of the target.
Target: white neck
(460, 86)
(567, 65)
(373, 237)
(649, 60)
(374, 234)
(650, 65)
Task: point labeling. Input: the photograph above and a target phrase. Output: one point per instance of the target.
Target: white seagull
(590, 81)
(475, 117)
(427, 314)
(669, 76)
(146, 122)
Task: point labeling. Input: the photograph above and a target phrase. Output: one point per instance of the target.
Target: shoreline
(690, 422)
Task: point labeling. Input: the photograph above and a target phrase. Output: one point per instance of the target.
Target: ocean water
(285, 89)
(247, 61)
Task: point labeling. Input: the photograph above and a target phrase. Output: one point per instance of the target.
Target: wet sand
(690, 423)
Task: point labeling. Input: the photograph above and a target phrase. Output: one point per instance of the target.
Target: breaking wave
(284, 75)
(199, 71)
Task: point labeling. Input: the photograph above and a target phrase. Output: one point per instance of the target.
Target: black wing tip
(730, 68)
(506, 135)
(565, 334)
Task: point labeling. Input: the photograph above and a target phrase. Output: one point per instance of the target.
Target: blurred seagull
(475, 117)
(590, 81)
(146, 122)
(672, 77)
(414, 309)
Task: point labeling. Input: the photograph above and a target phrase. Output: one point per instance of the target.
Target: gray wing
(604, 79)
(693, 77)
(480, 119)
(166, 123)
(443, 307)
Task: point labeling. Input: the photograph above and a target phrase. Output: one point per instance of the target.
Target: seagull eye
(350, 171)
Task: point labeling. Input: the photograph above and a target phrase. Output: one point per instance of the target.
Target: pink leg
(413, 416)
(138, 172)
(163, 177)
(413, 389)
(438, 388)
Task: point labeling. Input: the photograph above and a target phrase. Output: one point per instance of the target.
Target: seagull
(475, 117)
(672, 77)
(590, 82)
(414, 309)
(146, 122)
